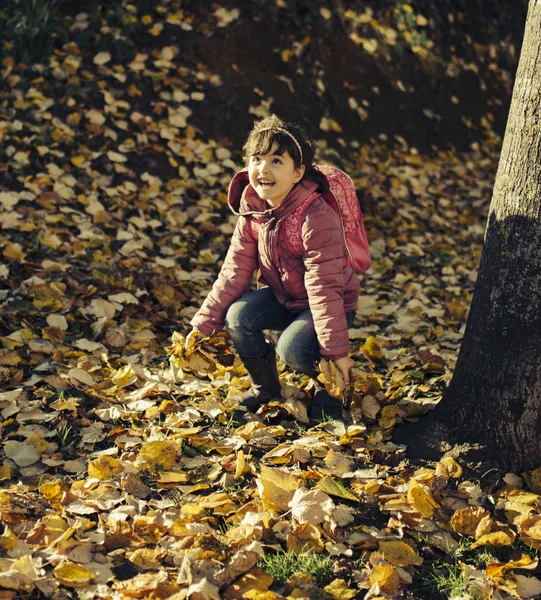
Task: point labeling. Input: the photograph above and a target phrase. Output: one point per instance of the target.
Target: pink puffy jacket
(320, 279)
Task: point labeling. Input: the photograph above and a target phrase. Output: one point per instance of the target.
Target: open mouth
(266, 184)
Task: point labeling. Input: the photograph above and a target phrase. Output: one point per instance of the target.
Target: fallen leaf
(73, 575)
(496, 538)
(276, 487)
(105, 467)
(399, 554)
(21, 453)
(310, 506)
(335, 488)
(160, 454)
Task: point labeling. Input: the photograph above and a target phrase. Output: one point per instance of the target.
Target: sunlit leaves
(73, 575)
(310, 506)
(105, 467)
(399, 554)
(276, 488)
(332, 378)
(121, 461)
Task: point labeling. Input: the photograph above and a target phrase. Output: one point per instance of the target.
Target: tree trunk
(494, 399)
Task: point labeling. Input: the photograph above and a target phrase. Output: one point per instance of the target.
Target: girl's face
(273, 175)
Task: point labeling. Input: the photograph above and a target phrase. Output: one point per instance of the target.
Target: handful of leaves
(199, 355)
(331, 377)
(333, 380)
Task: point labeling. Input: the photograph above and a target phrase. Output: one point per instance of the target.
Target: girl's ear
(299, 173)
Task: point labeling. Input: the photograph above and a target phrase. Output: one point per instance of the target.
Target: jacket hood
(243, 200)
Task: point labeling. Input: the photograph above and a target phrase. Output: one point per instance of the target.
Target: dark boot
(266, 386)
(324, 407)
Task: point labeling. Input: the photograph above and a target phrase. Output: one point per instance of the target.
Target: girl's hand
(192, 340)
(344, 364)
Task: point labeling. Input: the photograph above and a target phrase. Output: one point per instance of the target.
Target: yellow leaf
(160, 454)
(388, 416)
(306, 538)
(78, 160)
(331, 377)
(466, 520)
(241, 462)
(74, 119)
(399, 554)
(499, 569)
(287, 55)
(372, 349)
(421, 499)
(124, 376)
(50, 490)
(54, 526)
(8, 540)
(276, 487)
(146, 558)
(339, 590)
(105, 467)
(335, 488)
(448, 468)
(386, 576)
(250, 585)
(14, 252)
(149, 530)
(192, 512)
(174, 477)
(496, 538)
(73, 575)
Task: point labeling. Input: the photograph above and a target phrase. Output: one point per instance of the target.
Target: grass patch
(449, 581)
(31, 27)
(284, 564)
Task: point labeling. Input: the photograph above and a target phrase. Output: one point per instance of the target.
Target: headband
(281, 130)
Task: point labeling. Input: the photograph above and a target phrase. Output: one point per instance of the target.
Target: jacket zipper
(269, 243)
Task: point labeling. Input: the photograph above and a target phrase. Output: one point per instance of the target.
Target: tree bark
(494, 398)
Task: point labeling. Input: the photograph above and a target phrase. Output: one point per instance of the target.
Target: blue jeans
(297, 347)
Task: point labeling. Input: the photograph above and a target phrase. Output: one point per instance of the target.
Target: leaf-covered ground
(123, 474)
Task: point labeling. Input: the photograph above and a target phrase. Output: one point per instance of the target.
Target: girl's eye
(277, 161)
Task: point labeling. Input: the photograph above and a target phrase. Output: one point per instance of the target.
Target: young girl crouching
(310, 297)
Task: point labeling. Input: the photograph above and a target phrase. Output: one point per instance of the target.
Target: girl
(311, 298)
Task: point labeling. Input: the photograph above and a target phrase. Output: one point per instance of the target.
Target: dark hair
(267, 132)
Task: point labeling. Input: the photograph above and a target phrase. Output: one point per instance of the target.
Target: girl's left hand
(344, 364)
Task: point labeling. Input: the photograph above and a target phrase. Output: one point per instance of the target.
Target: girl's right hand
(344, 364)
(192, 341)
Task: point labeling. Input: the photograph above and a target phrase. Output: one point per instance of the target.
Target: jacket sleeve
(232, 282)
(324, 278)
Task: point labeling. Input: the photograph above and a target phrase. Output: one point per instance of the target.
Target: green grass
(443, 578)
(282, 565)
(449, 580)
(31, 26)
(62, 433)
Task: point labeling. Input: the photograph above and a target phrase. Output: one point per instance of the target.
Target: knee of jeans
(235, 318)
(288, 353)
